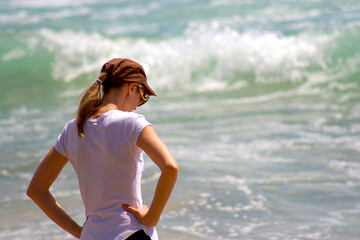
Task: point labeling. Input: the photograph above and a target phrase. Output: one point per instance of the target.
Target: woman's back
(109, 167)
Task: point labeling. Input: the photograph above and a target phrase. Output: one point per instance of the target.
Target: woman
(105, 144)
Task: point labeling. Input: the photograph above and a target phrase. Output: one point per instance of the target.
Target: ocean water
(259, 101)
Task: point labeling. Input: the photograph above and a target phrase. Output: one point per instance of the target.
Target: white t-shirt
(109, 167)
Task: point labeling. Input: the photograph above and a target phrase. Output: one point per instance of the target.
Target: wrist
(150, 220)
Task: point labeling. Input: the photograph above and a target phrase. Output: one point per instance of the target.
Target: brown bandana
(128, 71)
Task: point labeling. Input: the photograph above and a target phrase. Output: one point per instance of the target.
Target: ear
(132, 87)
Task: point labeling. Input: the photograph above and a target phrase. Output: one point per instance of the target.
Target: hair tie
(98, 80)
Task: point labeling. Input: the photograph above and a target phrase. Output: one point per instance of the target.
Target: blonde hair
(90, 103)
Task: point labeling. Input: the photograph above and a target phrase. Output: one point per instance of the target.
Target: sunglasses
(144, 96)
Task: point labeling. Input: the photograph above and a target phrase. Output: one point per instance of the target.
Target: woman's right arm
(38, 191)
(152, 145)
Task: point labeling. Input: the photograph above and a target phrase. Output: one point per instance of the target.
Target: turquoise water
(258, 100)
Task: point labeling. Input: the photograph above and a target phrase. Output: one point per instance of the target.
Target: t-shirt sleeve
(60, 146)
(139, 122)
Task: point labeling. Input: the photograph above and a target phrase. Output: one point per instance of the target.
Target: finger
(130, 209)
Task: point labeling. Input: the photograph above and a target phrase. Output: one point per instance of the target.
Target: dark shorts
(139, 235)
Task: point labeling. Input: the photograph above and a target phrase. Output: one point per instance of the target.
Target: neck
(114, 100)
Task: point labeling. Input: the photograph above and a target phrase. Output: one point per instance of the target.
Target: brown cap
(127, 70)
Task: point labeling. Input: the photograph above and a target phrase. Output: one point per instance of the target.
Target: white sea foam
(25, 17)
(13, 54)
(204, 58)
(350, 168)
(254, 201)
(24, 111)
(114, 13)
(56, 15)
(13, 17)
(48, 4)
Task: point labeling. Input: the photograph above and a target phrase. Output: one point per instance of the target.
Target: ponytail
(90, 103)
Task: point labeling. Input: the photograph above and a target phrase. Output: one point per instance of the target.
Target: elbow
(172, 169)
(33, 192)
(175, 168)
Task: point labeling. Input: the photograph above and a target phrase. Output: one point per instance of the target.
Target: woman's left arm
(38, 190)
